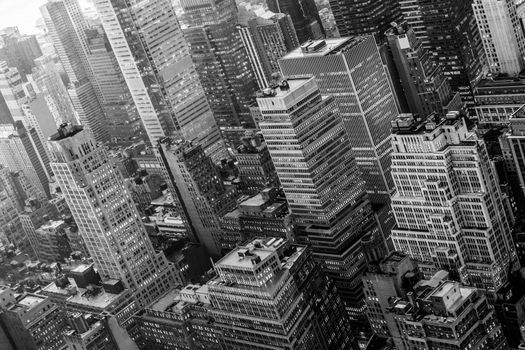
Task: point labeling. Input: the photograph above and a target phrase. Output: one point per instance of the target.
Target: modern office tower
(256, 169)
(266, 39)
(448, 204)
(106, 216)
(47, 78)
(279, 307)
(448, 29)
(425, 87)
(221, 60)
(363, 17)
(32, 322)
(502, 35)
(69, 47)
(304, 15)
(344, 68)
(202, 195)
(156, 63)
(326, 195)
(391, 277)
(123, 120)
(264, 215)
(441, 313)
(19, 51)
(21, 150)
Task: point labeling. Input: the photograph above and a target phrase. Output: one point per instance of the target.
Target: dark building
(305, 17)
(425, 87)
(364, 17)
(221, 60)
(256, 169)
(263, 215)
(448, 29)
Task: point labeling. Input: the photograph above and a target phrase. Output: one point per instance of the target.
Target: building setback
(448, 204)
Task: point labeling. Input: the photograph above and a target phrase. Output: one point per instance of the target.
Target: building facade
(448, 204)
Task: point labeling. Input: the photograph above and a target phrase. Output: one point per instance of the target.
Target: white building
(502, 35)
(448, 205)
(107, 217)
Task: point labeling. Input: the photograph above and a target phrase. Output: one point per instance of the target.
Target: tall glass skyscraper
(326, 195)
(351, 70)
(156, 63)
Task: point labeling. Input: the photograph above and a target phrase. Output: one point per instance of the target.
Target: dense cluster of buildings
(222, 175)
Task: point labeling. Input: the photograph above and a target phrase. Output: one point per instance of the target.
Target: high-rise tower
(326, 195)
(345, 68)
(502, 35)
(448, 205)
(304, 15)
(68, 43)
(107, 217)
(156, 63)
(221, 60)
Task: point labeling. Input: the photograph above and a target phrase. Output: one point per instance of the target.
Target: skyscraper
(344, 68)
(448, 205)
(221, 60)
(202, 196)
(502, 35)
(326, 195)
(425, 87)
(106, 216)
(364, 17)
(68, 44)
(19, 50)
(155, 60)
(448, 29)
(304, 15)
(266, 40)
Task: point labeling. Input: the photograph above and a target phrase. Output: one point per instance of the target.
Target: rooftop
(284, 88)
(324, 47)
(251, 254)
(66, 130)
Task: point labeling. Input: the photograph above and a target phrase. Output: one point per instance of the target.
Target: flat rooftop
(242, 256)
(332, 46)
(280, 92)
(30, 300)
(100, 300)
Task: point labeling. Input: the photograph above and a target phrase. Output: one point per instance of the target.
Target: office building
(256, 169)
(363, 17)
(155, 61)
(48, 81)
(515, 142)
(67, 38)
(274, 308)
(32, 322)
(106, 216)
(11, 227)
(264, 215)
(502, 35)
(221, 60)
(21, 150)
(449, 30)
(425, 87)
(19, 50)
(497, 98)
(304, 15)
(441, 313)
(53, 242)
(266, 37)
(448, 204)
(343, 68)
(319, 175)
(122, 117)
(199, 190)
